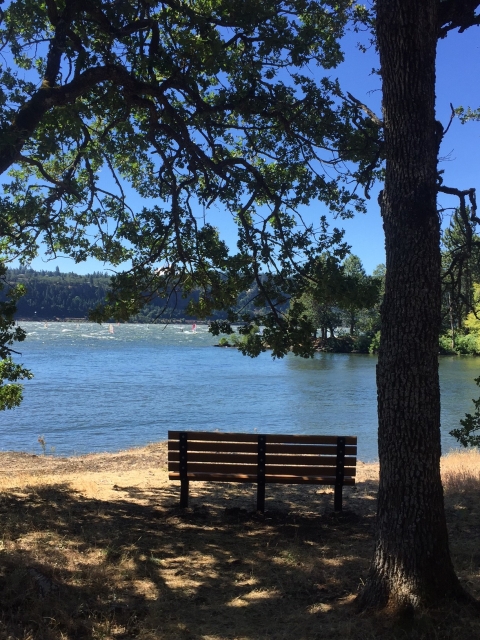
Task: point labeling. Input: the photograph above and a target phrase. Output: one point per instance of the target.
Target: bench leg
(184, 493)
(337, 501)
(261, 497)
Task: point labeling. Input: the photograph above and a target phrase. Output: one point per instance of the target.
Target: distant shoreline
(186, 323)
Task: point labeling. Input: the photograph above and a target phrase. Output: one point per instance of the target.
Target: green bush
(445, 345)
(468, 344)
(233, 340)
(340, 344)
(362, 343)
(375, 343)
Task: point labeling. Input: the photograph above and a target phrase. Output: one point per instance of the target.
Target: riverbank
(95, 546)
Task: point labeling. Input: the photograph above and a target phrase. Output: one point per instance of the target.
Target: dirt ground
(96, 546)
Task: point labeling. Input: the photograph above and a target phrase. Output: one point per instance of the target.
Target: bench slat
(240, 447)
(207, 467)
(217, 436)
(237, 477)
(248, 458)
(316, 439)
(207, 456)
(219, 477)
(250, 469)
(226, 447)
(301, 449)
(307, 480)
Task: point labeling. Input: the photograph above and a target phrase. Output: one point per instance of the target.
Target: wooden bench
(273, 458)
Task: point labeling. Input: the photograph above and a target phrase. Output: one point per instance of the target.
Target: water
(98, 391)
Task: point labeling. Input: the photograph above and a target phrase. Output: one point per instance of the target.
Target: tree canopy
(11, 391)
(218, 108)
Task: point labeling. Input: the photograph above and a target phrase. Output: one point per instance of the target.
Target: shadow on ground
(140, 567)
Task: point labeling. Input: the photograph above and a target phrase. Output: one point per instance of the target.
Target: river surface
(95, 390)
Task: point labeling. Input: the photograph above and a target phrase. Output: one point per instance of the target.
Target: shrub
(362, 343)
(375, 343)
(468, 344)
(445, 345)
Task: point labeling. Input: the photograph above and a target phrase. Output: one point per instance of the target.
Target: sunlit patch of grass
(461, 471)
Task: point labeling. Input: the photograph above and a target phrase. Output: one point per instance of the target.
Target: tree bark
(411, 564)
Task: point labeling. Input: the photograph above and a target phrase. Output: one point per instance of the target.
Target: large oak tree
(192, 104)
(411, 564)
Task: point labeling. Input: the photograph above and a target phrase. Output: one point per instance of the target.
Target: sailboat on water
(110, 328)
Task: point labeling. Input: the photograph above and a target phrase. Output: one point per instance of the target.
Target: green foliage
(341, 344)
(466, 114)
(363, 343)
(217, 109)
(467, 339)
(241, 341)
(468, 344)
(51, 294)
(11, 393)
(360, 292)
(339, 294)
(375, 343)
(445, 345)
(469, 434)
(472, 321)
(10, 373)
(460, 270)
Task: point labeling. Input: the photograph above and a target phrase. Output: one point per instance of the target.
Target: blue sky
(458, 70)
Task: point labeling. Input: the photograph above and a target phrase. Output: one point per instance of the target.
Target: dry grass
(96, 547)
(461, 471)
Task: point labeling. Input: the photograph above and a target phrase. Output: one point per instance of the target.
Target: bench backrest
(275, 458)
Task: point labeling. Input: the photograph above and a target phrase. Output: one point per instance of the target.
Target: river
(95, 390)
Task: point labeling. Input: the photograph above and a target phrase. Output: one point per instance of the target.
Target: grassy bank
(96, 547)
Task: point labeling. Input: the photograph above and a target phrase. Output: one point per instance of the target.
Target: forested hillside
(53, 295)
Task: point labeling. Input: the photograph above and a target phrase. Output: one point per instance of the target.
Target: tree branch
(471, 193)
(367, 110)
(457, 14)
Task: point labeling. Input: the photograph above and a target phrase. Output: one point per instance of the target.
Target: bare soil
(96, 546)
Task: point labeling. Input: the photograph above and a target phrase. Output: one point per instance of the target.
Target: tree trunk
(452, 324)
(411, 564)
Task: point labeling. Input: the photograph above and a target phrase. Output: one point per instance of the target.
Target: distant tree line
(54, 295)
(344, 304)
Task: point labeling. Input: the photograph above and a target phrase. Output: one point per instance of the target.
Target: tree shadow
(138, 566)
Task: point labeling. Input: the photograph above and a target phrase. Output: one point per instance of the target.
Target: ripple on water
(94, 391)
